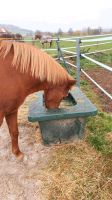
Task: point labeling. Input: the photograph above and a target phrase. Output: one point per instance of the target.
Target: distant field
(64, 44)
(104, 57)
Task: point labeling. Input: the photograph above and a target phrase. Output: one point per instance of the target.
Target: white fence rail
(97, 62)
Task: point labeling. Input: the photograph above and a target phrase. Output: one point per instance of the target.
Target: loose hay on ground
(73, 171)
(76, 172)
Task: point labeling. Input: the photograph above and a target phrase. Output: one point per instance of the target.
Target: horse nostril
(43, 99)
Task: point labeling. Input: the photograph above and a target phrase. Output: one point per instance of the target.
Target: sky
(50, 15)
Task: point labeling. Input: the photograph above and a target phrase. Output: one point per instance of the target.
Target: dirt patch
(15, 182)
(104, 79)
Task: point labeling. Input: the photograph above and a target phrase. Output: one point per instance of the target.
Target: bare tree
(60, 32)
(70, 31)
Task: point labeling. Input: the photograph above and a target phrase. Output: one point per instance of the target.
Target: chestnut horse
(24, 69)
(44, 39)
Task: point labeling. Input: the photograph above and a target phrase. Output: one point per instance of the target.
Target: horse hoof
(25, 159)
(20, 157)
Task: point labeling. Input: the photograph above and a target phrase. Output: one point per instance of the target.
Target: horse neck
(32, 85)
(35, 84)
(24, 81)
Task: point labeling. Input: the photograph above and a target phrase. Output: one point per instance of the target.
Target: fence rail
(97, 62)
(87, 36)
(97, 44)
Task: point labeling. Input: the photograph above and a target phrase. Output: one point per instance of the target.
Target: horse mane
(28, 58)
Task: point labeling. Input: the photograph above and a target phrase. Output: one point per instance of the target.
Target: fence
(78, 55)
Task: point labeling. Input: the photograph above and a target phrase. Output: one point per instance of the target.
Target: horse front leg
(1, 117)
(50, 44)
(42, 45)
(11, 120)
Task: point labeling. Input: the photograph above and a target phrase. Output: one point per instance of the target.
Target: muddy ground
(104, 79)
(17, 180)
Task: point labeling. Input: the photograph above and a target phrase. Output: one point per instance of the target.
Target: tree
(70, 31)
(60, 32)
(100, 30)
(89, 31)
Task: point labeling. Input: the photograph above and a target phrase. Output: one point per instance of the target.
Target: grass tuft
(99, 128)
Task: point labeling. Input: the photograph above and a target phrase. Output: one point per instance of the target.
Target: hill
(16, 29)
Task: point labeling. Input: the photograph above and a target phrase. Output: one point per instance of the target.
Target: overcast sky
(50, 15)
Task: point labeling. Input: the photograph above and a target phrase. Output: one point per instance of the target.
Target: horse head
(54, 95)
(38, 36)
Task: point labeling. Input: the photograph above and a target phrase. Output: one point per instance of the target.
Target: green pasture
(65, 44)
(99, 127)
(104, 57)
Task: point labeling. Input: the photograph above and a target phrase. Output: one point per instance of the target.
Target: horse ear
(72, 82)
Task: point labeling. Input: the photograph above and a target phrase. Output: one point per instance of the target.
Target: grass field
(104, 57)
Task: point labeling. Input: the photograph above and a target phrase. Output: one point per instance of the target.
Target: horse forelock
(29, 59)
